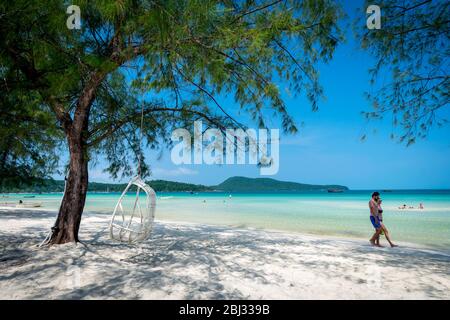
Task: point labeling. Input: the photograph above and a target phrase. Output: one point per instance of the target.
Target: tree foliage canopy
(28, 135)
(175, 58)
(412, 46)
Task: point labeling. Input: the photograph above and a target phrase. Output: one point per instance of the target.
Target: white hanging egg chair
(134, 225)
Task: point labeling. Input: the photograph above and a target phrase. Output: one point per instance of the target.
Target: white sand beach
(193, 261)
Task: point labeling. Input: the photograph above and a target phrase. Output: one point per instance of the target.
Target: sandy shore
(191, 261)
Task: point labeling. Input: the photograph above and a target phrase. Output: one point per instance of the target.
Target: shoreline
(312, 235)
(195, 261)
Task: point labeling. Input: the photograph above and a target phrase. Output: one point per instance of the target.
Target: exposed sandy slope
(189, 261)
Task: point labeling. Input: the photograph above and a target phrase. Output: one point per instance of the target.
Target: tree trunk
(77, 130)
(69, 217)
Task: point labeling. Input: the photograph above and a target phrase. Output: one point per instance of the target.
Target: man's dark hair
(376, 193)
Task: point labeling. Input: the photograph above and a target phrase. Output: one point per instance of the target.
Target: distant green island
(242, 184)
(233, 184)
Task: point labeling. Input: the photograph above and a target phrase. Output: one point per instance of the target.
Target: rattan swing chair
(135, 225)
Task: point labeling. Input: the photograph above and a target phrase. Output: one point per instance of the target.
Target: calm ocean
(336, 214)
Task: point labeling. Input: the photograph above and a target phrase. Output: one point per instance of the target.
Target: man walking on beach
(373, 206)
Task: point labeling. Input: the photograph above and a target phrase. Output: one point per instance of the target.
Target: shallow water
(341, 214)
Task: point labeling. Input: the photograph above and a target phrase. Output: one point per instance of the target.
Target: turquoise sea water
(341, 214)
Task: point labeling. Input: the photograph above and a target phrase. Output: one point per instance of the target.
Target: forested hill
(234, 184)
(49, 185)
(242, 184)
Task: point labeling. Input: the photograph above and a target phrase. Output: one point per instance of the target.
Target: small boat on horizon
(335, 191)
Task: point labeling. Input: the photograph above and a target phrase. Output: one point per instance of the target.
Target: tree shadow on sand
(191, 262)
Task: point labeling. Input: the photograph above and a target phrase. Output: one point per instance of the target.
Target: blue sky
(328, 149)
